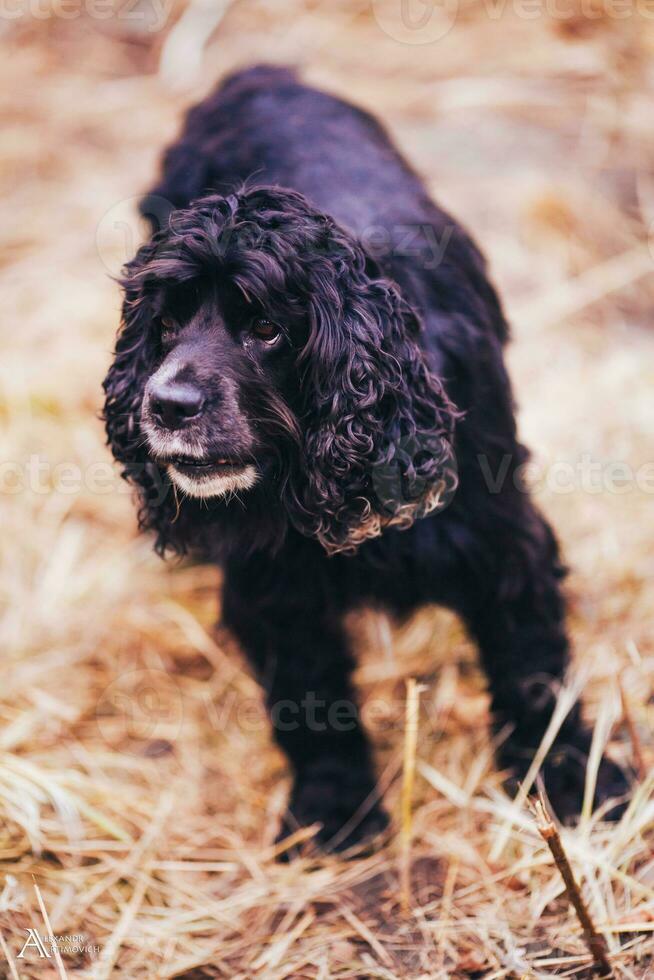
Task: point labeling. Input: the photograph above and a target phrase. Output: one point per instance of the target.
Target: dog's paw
(564, 778)
(343, 806)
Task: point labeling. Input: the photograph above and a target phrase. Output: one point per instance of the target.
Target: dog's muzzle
(171, 411)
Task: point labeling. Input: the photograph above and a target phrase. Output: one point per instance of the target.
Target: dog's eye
(266, 330)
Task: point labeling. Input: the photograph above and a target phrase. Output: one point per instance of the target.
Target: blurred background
(139, 791)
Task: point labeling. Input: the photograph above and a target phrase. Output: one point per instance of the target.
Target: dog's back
(263, 126)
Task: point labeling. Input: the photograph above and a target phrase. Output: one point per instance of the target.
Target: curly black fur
(376, 426)
(365, 387)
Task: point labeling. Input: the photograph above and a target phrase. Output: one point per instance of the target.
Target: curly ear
(378, 446)
(134, 360)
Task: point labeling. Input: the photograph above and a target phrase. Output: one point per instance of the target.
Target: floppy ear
(378, 443)
(134, 360)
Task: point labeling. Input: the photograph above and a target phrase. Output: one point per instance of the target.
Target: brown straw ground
(139, 791)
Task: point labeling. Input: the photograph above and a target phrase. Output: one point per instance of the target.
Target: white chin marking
(214, 486)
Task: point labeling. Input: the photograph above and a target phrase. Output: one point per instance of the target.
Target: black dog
(309, 388)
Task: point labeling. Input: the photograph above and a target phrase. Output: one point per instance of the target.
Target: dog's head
(264, 364)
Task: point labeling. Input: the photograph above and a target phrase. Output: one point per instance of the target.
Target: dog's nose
(173, 404)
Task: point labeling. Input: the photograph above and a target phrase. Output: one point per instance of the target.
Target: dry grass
(138, 786)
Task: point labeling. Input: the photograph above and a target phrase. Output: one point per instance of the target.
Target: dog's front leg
(524, 647)
(298, 647)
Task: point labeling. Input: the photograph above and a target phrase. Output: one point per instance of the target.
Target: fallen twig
(61, 970)
(594, 940)
(410, 742)
(9, 958)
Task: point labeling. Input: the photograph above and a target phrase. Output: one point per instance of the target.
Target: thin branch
(61, 970)
(410, 743)
(594, 940)
(9, 958)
